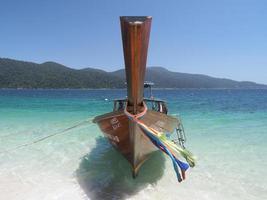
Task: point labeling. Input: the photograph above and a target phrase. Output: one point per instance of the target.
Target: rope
(137, 116)
(46, 137)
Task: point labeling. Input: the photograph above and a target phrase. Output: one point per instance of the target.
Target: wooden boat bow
(118, 126)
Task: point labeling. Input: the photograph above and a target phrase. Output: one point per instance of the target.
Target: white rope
(46, 137)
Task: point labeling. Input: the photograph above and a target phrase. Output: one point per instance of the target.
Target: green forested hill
(20, 74)
(166, 79)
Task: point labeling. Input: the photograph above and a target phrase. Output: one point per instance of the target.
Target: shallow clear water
(226, 130)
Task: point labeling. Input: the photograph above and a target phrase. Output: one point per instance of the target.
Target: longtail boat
(136, 125)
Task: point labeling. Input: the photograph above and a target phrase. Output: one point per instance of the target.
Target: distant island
(20, 74)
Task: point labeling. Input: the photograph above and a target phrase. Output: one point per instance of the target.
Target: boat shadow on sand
(105, 174)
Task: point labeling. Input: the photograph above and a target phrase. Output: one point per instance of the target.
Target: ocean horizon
(226, 129)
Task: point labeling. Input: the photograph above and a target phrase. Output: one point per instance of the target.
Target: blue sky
(226, 38)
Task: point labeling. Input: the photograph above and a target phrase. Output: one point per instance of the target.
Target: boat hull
(127, 137)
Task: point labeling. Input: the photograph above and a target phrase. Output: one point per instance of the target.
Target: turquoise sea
(226, 130)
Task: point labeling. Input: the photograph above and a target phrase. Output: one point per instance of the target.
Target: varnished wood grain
(135, 38)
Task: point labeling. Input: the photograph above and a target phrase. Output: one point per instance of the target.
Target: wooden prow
(119, 126)
(135, 38)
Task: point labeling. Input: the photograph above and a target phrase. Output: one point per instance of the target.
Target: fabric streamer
(165, 145)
